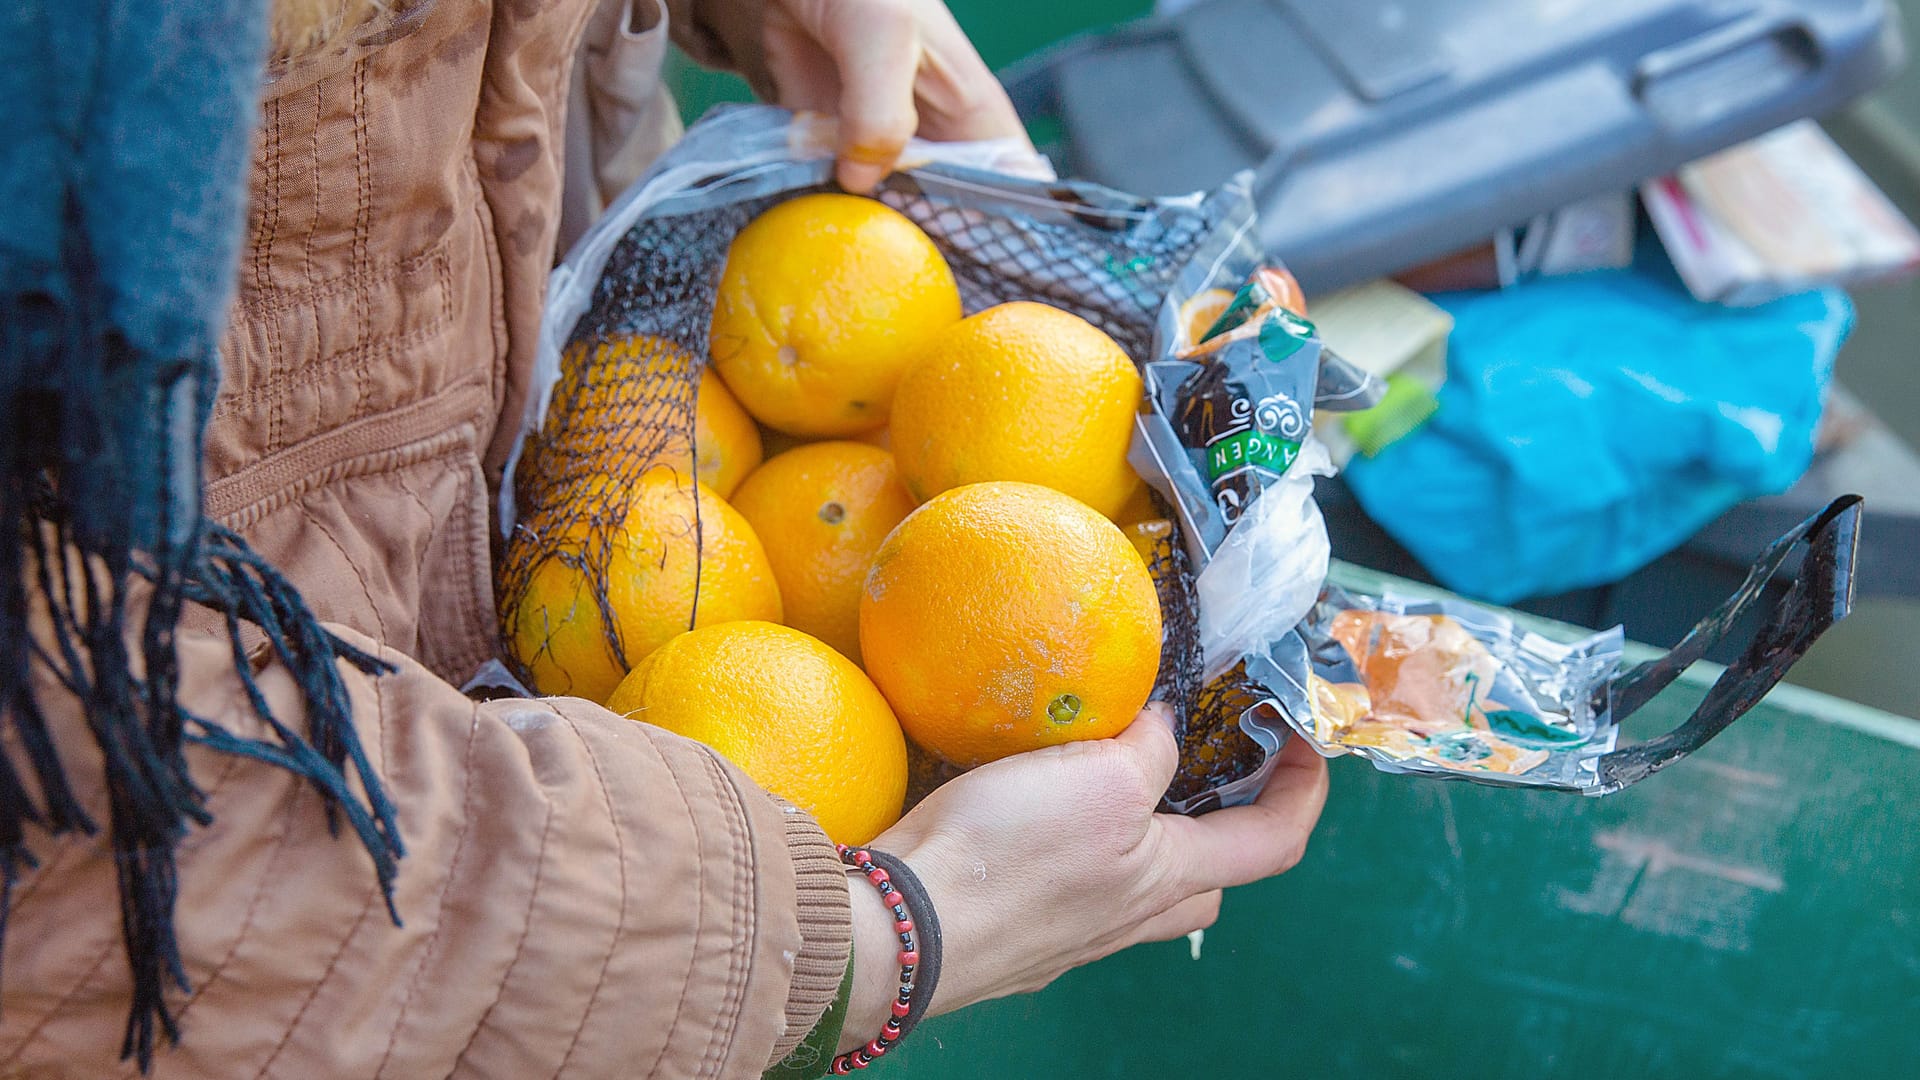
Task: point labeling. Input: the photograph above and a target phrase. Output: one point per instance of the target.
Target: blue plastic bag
(1591, 424)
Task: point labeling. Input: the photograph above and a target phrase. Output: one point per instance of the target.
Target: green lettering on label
(1250, 449)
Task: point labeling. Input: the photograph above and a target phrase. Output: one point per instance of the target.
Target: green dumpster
(1753, 912)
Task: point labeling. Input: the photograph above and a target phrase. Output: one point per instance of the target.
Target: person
(580, 894)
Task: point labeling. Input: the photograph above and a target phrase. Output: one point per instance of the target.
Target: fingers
(1149, 740)
(960, 99)
(1183, 918)
(878, 64)
(803, 74)
(888, 69)
(1266, 837)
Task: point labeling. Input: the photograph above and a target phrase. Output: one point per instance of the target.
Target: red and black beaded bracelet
(919, 952)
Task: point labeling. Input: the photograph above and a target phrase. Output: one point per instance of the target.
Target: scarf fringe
(72, 540)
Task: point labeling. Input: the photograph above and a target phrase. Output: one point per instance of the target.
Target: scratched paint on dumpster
(1649, 885)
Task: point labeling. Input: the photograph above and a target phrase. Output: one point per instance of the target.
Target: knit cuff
(826, 929)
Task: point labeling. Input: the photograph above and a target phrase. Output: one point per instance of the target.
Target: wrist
(875, 969)
(915, 946)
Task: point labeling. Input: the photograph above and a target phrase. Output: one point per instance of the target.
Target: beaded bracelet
(919, 955)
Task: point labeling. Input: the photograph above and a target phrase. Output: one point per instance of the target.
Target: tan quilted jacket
(583, 895)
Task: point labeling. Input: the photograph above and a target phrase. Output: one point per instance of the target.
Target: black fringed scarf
(125, 127)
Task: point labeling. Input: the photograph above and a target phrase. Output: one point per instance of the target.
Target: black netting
(1214, 751)
(623, 405)
(1110, 267)
(625, 399)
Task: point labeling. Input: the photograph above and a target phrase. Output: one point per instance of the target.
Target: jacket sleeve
(582, 895)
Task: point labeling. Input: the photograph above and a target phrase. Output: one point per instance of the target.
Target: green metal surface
(1005, 32)
(1752, 912)
(1001, 31)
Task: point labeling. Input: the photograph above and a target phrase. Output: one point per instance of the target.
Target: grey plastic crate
(1384, 133)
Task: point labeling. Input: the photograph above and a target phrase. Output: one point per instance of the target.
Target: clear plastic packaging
(1265, 574)
(1450, 688)
(1444, 688)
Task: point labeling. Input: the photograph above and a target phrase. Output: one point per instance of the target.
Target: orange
(726, 441)
(635, 383)
(1138, 507)
(824, 301)
(1021, 391)
(1150, 538)
(880, 437)
(558, 633)
(821, 510)
(612, 386)
(795, 715)
(1002, 617)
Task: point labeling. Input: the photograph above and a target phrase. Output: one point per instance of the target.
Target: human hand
(1048, 860)
(888, 69)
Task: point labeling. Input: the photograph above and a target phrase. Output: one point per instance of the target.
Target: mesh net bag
(626, 340)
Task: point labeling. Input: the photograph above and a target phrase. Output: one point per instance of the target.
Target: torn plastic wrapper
(1230, 725)
(1225, 439)
(1445, 686)
(1239, 401)
(1449, 689)
(1242, 412)
(1229, 412)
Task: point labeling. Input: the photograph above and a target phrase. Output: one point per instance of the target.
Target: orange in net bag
(620, 546)
(630, 327)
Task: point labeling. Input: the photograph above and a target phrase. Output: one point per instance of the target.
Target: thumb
(1150, 737)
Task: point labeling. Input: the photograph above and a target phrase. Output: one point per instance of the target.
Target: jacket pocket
(382, 529)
